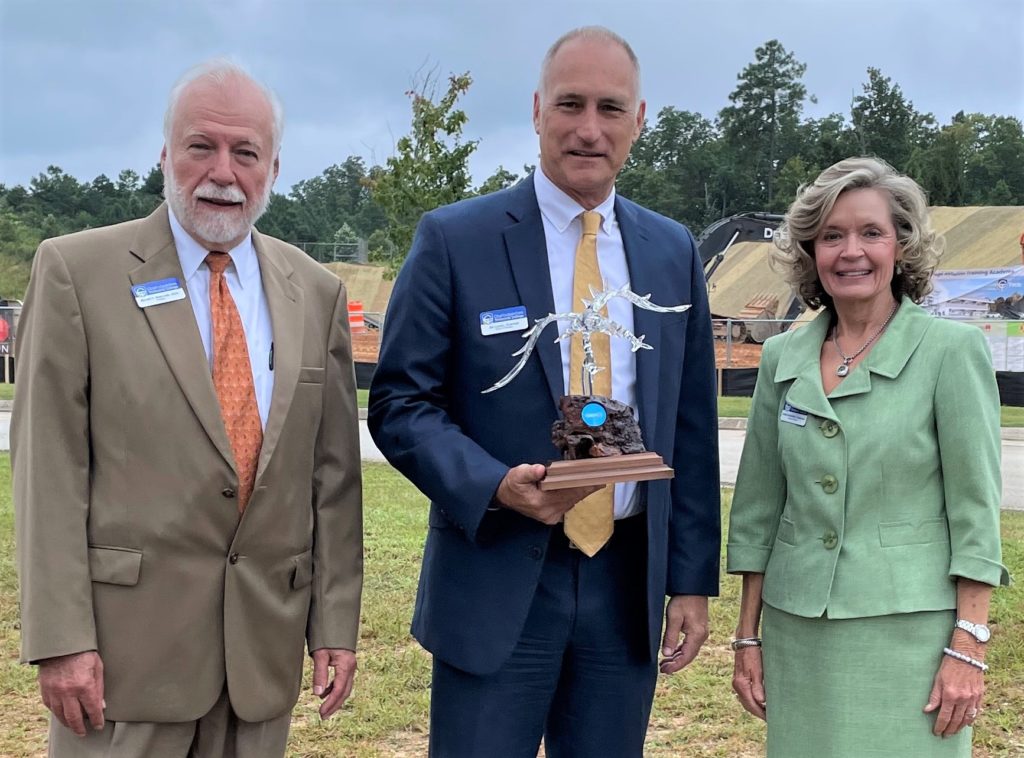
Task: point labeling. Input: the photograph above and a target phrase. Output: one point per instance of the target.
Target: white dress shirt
(562, 231)
(246, 287)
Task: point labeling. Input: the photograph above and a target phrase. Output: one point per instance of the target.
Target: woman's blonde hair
(919, 247)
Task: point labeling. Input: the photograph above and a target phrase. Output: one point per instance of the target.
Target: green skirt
(854, 688)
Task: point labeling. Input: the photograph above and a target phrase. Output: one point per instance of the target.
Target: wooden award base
(632, 467)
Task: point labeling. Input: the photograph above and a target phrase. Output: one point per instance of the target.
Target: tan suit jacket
(128, 535)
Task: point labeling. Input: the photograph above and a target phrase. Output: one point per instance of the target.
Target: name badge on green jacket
(793, 415)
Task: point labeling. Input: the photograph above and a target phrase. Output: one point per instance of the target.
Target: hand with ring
(956, 693)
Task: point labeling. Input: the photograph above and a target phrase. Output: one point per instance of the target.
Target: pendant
(842, 369)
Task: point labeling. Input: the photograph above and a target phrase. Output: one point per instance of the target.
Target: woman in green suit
(865, 520)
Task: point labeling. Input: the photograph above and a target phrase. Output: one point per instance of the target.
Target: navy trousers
(580, 676)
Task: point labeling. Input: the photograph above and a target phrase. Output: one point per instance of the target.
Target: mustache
(210, 191)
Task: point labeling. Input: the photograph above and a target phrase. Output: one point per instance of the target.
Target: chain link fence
(336, 252)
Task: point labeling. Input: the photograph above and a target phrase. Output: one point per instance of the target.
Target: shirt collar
(192, 255)
(561, 210)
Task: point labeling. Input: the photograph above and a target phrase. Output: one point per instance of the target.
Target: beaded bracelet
(745, 642)
(965, 658)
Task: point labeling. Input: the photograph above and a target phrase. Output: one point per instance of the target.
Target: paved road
(730, 445)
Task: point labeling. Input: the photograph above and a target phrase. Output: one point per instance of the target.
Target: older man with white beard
(185, 455)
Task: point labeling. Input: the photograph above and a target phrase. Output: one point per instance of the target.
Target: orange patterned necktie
(232, 379)
(589, 524)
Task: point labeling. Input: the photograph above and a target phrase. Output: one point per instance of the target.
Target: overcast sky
(83, 83)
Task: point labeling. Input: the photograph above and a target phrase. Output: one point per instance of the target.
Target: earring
(899, 268)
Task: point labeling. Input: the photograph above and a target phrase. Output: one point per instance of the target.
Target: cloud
(83, 85)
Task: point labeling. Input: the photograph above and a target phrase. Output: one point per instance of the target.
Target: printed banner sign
(983, 293)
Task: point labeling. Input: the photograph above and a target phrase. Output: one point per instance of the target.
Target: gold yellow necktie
(589, 524)
(232, 379)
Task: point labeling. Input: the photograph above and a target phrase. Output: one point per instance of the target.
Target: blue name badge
(793, 415)
(503, 320)
(158, 292)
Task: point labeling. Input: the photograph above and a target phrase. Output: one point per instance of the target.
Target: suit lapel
(285, 302)
(892, 351)
(174, 326)
(526, 247)
(801, 361)
(643, 279)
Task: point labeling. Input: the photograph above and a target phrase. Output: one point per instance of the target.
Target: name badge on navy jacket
(793, 415)
(503, 320)
(158, 292)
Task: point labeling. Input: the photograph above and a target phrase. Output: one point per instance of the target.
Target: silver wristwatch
(980, 632)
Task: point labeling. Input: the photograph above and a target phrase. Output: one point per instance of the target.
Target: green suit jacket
(128, 535)
(874, 499)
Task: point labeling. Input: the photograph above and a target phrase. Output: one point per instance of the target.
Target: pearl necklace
(844, 368)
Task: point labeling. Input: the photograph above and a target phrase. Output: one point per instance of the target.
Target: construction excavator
(754, 321)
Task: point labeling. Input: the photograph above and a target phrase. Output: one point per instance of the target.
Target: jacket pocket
(311, 375)
(302, 571)
(787, 531)
(897, 533)
(115, 565)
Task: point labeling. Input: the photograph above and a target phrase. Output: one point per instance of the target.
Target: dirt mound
(985, 237)
(364, 283)
(976, 237)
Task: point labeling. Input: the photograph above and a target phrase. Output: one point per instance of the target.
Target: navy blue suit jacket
(429, 418)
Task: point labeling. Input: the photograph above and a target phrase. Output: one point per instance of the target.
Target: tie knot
(218, 261)
(591, 222)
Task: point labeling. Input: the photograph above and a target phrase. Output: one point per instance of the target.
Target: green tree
(826, 141)
(17, 240)
(98, 197)
(56, 199)
(886, 124)
(941, 166)
(794, 174)
(279, 220)
(501, 179)
(1001, 194)
(760, 128)
(345, 234)
(995, 169)
(672, 166)
(154, 182)
(340, 195)
(430, 166)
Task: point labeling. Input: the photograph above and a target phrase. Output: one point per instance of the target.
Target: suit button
(536, 553)
(830, 539)
(227, 492)
(233, 559)
(829, 483)
(829, 428)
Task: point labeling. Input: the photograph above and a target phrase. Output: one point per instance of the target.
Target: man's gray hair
(218, 71)
(599, 33)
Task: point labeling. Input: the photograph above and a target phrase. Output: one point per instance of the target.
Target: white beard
(218, 227)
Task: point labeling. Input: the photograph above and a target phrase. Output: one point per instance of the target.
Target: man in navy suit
(530, 636)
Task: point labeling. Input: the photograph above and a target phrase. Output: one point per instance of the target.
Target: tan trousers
(218, 734)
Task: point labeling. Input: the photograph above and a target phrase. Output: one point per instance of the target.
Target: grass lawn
(733, 407)
(694, 712)
(1012, 415)
(6, 391)
(362, 397)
